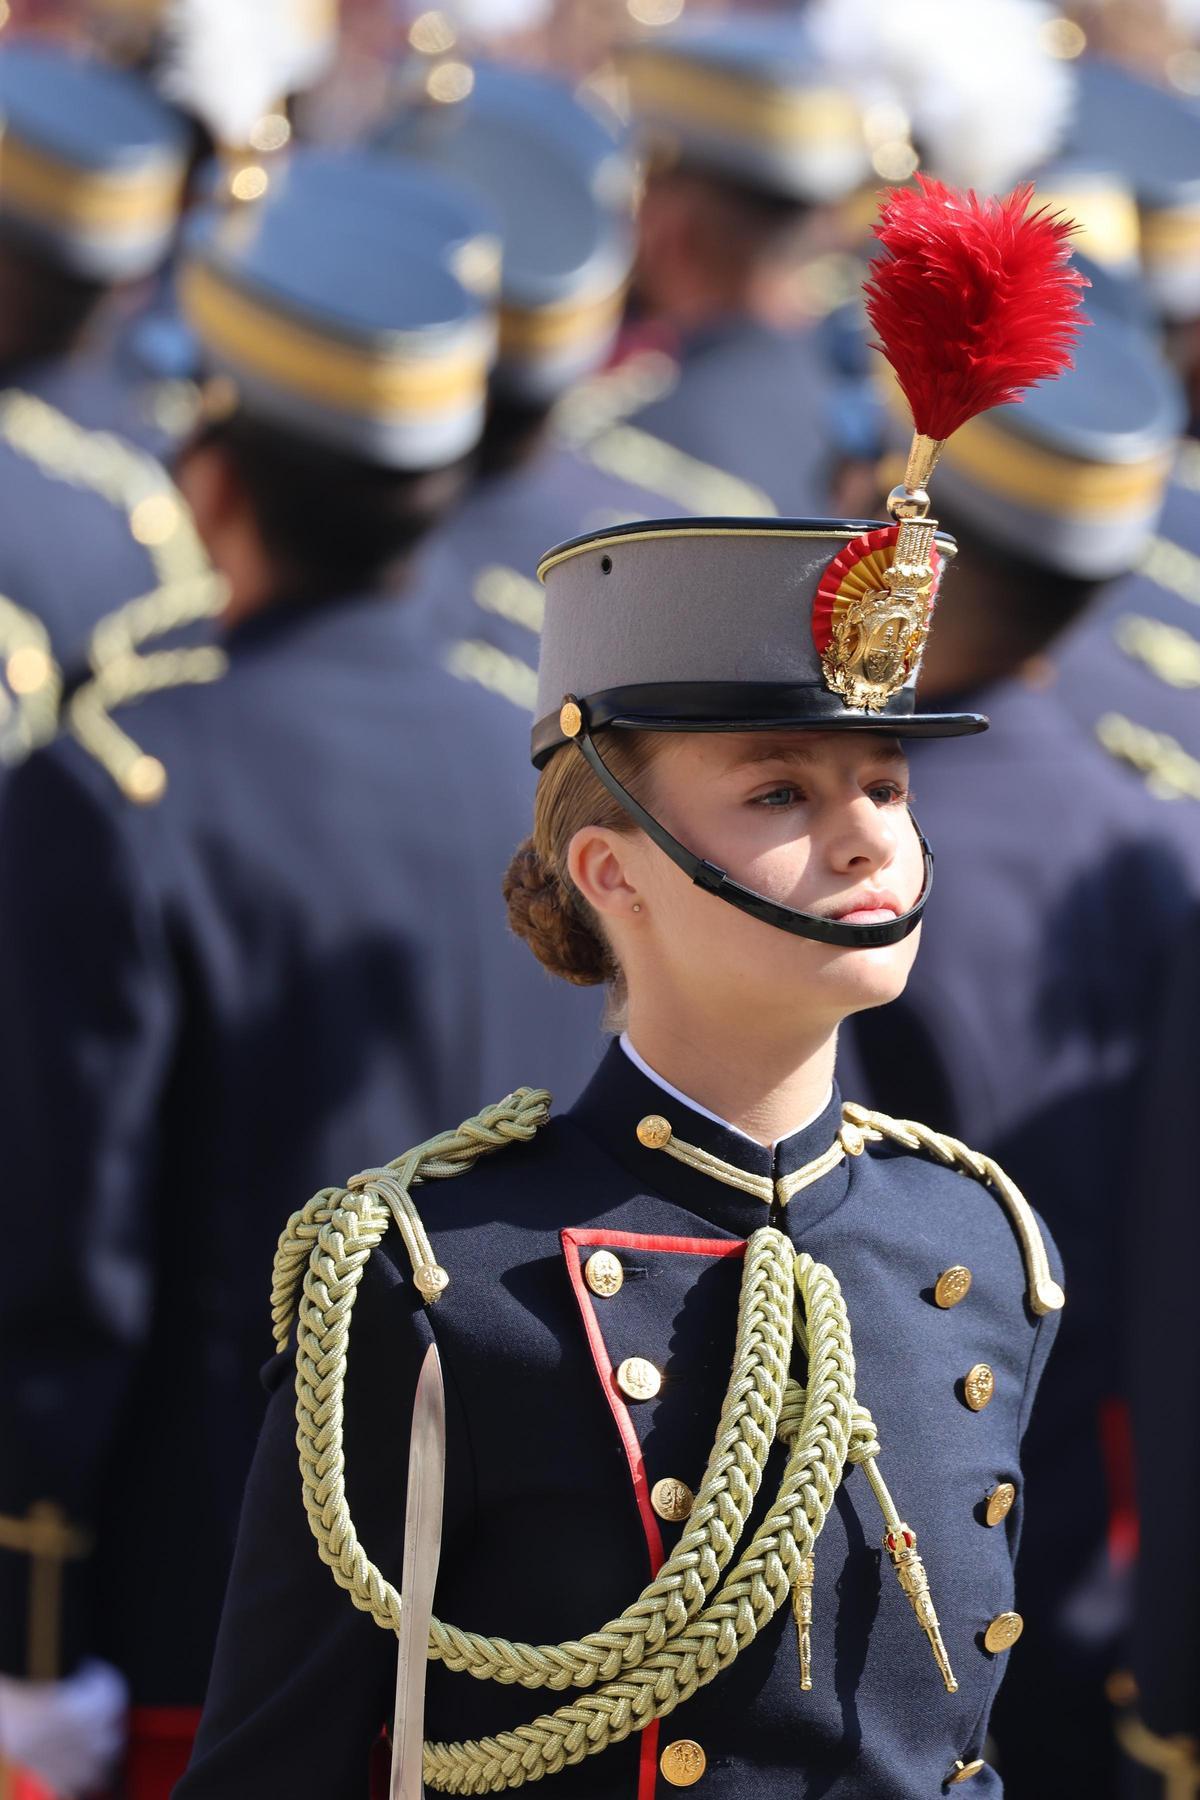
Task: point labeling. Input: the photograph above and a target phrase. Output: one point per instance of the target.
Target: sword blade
(422, 1547)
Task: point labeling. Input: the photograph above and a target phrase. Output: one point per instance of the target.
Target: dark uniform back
(296, 954)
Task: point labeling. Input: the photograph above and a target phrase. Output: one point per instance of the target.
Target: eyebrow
(798, 750)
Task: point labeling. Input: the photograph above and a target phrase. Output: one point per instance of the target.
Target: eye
(779, 797)
(887, 793)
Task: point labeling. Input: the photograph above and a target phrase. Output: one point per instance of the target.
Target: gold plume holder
(911, 570)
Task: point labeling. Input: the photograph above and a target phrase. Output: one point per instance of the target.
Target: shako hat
(748, 98)
(775, 624)
(559, 177)
(1153, 139)
(333, 306)
(94, 163)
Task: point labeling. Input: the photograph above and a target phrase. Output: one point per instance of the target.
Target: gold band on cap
(714, 98)
(1047, 482)
(1106, 220)
(94, 199)
(370, 382)
(1171, 235)
(554, 327)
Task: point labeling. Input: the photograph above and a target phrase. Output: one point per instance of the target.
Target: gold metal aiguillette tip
(901, 1546)
(802, 1612)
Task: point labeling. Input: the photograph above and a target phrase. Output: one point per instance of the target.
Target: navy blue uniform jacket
(548, 1529)
(1059, 892)
(295, 961)
(67, 553)
(757, 403)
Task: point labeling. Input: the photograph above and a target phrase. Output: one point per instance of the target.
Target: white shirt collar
(639, 1062)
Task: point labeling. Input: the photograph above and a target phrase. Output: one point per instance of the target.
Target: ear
(205, 476)
(600, 863)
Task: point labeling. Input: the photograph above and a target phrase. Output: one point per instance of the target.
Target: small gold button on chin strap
(570, 719)
(683, 1762)
(603, 1273)
(953, 1285)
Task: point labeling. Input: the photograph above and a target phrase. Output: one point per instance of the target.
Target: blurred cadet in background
(1158, 1725)
(750, 147)
(1131, 672)
(291, 963)
(1026, 1026)
(560, 179)
(91, 182)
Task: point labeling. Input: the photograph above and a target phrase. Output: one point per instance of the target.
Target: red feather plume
(973, 300)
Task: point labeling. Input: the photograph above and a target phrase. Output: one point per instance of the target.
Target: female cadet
(718, 1349)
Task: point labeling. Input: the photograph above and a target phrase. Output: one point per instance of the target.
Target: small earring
(637, 906)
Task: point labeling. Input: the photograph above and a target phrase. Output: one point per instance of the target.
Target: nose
(862, 838)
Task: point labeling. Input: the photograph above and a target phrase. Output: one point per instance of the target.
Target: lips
(867, 907)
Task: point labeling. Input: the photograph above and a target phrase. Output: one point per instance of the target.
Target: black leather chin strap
(706, 875)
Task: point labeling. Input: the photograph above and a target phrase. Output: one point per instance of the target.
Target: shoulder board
(1170, 772)
(471, 659)
(357, 1216)
(130, 479)
(1045, 1294)
(1168, 651)
(594, 419)
(122, 679)
(30, 686)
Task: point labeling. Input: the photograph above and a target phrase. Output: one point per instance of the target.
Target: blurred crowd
(316, 331)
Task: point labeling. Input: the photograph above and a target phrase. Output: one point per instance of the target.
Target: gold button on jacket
(979, 1384)
(638, 1379)
(1000, 1502)
(603, 1273)
(1003, 1632)
(654, 1131)
(953, 1285)
(672, 1500)
(683, 1762)
(963, 1771)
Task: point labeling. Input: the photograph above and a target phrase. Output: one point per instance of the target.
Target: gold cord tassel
(900, 1542)
(901, 1546)
(802, 1612)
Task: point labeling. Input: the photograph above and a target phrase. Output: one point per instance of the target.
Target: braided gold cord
(1045, 1294)
(703, 1607)
(29, 700)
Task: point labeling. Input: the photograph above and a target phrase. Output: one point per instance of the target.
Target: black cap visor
(749, 706)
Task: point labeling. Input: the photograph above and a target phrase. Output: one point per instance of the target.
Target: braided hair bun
(550, 919)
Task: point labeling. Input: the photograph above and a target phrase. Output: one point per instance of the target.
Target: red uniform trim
(1116, 1444)
(573, 1241)
(160, 1748)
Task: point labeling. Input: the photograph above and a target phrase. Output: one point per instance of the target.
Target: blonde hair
(544, 905)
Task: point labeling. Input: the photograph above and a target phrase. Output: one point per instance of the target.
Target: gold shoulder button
(1000, 1502)
(953, 1285)
(1003, 1632)
(963, 1771)
(979, 1384)
(683, 1762)
(654, 1132)
(604, 1274)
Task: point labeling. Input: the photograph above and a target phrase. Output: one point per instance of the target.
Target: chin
(855, 980)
